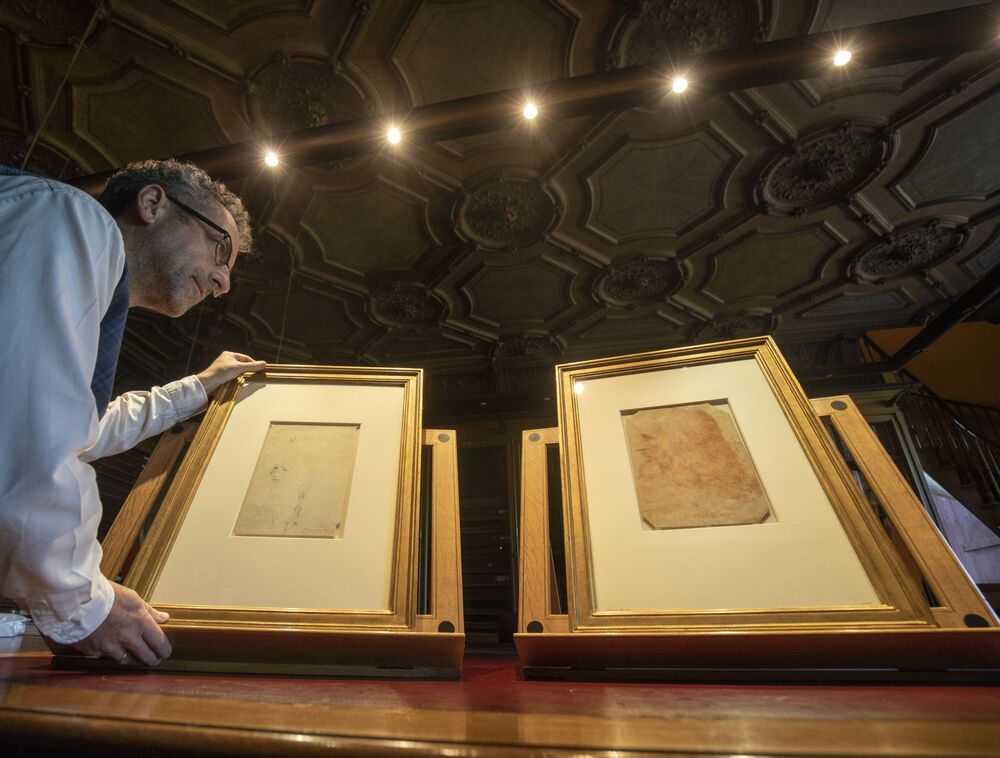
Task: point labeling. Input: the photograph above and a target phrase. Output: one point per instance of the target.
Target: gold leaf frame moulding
(899, 600)
(401, 612)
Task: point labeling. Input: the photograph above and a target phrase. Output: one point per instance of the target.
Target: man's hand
(227, 366)
(130, 632)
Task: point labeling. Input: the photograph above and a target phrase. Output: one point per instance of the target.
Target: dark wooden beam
(931, 35)
(977, 296)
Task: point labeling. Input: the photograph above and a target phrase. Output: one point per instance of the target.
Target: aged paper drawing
(691, 467)
(300, 485)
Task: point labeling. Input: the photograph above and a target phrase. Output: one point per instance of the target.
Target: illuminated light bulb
(530, 110)
(394, 136)
(841, 58)
(271, 159)
(680, 84)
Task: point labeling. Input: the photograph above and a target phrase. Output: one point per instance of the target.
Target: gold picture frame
(386, 404)
(823, 563)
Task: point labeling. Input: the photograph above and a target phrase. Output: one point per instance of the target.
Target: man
(162, 236)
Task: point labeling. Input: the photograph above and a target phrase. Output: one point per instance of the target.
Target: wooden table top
(489, 712)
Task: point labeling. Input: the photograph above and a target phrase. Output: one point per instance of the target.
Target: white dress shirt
(61, 256)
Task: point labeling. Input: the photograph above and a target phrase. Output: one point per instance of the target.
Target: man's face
(181, 267)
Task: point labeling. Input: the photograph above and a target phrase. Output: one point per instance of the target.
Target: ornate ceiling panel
(271, 262)
(951, 164)
(117, 117)
(379, 227)
(319, 317)
(625, 325)
(770, 265)
(838, 14)
(436, 346)
(658, 188)
(231, 14)
(984, 259)
(861, 305)
(810, 210)
(530, 293)
(451, 50)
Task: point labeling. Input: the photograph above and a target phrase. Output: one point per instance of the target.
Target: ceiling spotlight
(530, 110)
(841, 58)
(679, 85)
(271, 159)
(394, 136)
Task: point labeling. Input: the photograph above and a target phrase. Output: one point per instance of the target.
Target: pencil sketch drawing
(691, 467)
(301, 483)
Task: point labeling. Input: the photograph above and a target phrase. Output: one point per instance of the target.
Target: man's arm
(136, 416)
(60, 258)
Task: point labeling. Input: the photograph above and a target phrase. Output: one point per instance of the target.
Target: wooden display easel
(434, 649)
(964, 647)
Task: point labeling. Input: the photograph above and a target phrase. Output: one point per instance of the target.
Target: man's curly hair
(185, 181)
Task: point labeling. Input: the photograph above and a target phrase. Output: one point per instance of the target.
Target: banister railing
(959, 436)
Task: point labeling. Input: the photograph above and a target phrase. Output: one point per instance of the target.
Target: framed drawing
(701, 491)
(325, 461)
(307, 473)
(287, 538)
(881, 627)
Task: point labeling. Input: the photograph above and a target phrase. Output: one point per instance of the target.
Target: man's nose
(220, 278)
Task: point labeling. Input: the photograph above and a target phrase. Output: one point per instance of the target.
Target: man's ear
(150, 203)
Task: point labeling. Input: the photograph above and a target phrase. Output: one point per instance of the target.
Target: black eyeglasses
(224, 247)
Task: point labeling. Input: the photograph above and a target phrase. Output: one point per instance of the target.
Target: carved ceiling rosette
(642, 280)
(288, 94)
(526, 346)
(824, 168)
(661, 31)
(909, 251)
(738, 324)
(507, 212)
(44, 160)
(411, 307)
(55, 22)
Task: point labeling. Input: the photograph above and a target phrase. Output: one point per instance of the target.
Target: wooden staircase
(959, 446)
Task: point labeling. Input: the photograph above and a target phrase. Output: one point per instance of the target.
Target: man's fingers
(157, 642)
(131, 632)
(227, 366)
(160, 617)
(154, 636)
(140, 651)
(241, 358)
(254, 364)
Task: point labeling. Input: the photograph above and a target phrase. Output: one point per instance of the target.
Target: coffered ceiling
(813, 210)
